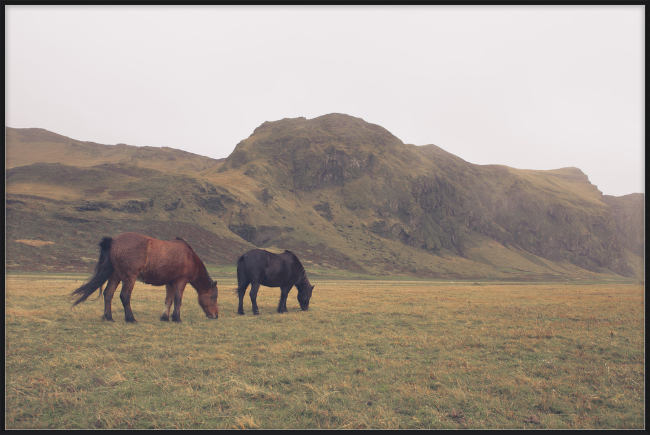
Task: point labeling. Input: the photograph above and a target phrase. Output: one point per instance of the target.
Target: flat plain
(367, 354)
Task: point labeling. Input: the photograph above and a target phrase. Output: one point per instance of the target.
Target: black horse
(260, 267)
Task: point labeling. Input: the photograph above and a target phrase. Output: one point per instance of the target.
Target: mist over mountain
(343, 194)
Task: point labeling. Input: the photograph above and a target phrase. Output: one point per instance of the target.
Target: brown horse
(132, 256)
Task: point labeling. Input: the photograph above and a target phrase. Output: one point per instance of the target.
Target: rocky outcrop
(629, 217)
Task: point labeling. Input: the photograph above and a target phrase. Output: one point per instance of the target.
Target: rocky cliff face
(629, 218)
(429, 199)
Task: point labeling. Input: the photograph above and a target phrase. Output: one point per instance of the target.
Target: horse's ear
(214, 283)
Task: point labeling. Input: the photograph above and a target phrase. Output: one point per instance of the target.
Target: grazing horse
(260, 267)
(132, 256)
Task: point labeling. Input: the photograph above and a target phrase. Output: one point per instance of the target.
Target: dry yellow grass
(366, 355)
(35, 242)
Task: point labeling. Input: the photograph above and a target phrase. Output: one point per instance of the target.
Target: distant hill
(342, 193)
(36, 145)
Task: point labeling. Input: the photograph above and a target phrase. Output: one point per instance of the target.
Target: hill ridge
(344, 193)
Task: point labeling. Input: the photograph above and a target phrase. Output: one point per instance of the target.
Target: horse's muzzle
(213, 316)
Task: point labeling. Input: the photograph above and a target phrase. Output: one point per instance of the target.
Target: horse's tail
(241, 277)
(103, 271)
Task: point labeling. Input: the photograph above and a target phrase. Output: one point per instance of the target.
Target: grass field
(367, 354)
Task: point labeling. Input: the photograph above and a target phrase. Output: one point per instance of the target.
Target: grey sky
(527, 87)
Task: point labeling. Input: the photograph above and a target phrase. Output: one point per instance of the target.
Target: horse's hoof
(241, 313)
(108, 320)
(257, 313)
(164, 318)
(131, 320)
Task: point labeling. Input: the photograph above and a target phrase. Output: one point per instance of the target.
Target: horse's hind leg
(241, 291)
(168, 303)
(253, 294)
(125, 297)
(111, 285)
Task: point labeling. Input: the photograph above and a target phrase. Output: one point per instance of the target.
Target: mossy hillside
(347, 193)
(429, 199)
(85, 204)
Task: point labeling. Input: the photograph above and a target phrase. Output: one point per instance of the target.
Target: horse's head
(208, 301)
(304, 295)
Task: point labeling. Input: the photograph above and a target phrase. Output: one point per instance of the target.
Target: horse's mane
(286, 251)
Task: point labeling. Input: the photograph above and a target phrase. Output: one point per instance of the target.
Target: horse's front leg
(168, 302)
(111, 286)
(253, 294)
(282, 306)
(179, 288)
(125, 297)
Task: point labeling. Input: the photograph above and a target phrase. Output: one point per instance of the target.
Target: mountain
(342, 193)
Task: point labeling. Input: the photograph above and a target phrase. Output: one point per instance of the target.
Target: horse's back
(164, 253)
(155, 261)
(129, 251)
(168, 260)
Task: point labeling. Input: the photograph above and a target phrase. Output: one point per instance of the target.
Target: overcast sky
(527, 87)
